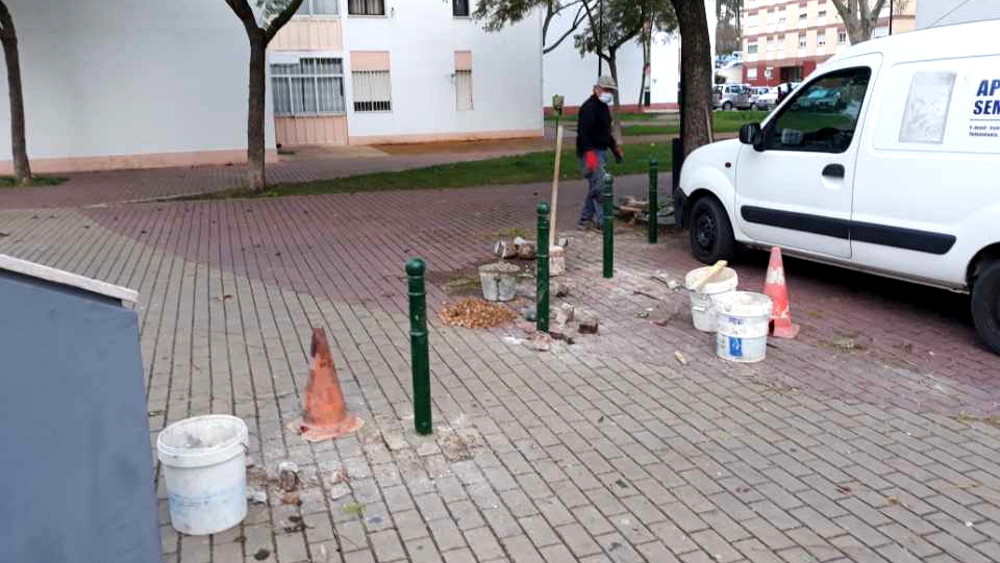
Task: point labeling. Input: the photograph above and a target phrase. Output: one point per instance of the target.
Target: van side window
(822, 115)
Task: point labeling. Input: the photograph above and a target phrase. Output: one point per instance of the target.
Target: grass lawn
(724, 121)
(36, 181)
(520, 169)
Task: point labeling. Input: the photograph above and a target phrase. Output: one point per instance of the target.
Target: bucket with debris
(204, 463)
(743, 320)
(702, 291)
(499, 281)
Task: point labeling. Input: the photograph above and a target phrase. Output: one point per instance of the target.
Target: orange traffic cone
(325, 416)
(774, 287)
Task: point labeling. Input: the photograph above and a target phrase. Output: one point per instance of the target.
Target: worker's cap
(607, 83)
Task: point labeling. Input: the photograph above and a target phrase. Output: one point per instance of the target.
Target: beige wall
(311, 130)
(309, 33)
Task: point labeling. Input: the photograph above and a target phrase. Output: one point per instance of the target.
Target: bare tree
(18, 142)
(495, 14)
(696, 73)
(274, 14)
(860, 17)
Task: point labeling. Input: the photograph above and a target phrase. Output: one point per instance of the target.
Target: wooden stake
(555, 188)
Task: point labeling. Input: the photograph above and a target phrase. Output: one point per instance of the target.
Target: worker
(593, 140)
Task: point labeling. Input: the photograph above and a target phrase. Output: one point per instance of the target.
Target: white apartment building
(124, 84)
(384, 71)
(784, 40)
(572, 75)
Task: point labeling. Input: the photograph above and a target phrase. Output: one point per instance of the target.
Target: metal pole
(608, 226)
(542, 277)
(600, 38)
(418, 347)
(654, 204)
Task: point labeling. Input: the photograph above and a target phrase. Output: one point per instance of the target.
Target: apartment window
(802, 17)
(318, 8)
(460, 8)
(752, 49)
(802, 41)
(312, 86)
(752, 73)
(771, 44)
(372, 90)
(821, 15)
(841, 37)
(821, 40)
(366, 7)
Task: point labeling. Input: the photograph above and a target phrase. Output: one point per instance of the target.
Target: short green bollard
(542, 276)
(608, 226)
(419, 356)
(654, 203)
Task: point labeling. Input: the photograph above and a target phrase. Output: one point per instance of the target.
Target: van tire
(986, 305)
(728, 106)
(711, 232)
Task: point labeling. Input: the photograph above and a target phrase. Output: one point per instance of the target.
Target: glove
(590, 157)
(619, 154)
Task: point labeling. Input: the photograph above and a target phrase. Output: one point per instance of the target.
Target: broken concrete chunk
(255, 496)
(588, 326)
(526, 252)
(565, 314)
(339, 491)
(562, 290)
(541, 341)
(288, 476)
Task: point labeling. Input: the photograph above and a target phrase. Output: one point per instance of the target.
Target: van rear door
(794, 188)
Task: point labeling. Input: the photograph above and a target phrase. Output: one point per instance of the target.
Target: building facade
(389, 71)
(784, 40)
(108, 84)
(934, 13)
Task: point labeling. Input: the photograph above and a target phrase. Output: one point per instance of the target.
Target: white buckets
(702, 309)
(742, 320)
(204, 463)
(499, 281)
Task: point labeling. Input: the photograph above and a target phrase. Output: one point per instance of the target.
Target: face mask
(606, 97)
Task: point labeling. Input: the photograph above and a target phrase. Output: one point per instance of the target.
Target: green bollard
(418, 347)
(654, 204)
(608, 226)
(542, 277)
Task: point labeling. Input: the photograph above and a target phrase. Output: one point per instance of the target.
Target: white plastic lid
(743, 304)
(725, 280)
(202, 440)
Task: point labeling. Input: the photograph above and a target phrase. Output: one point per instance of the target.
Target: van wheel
(728, 106)
(986, 305)
(711, 233)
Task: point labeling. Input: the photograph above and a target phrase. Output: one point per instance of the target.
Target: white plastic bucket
(204, 463)
(743, 319)
(499, 281)
(702, 309)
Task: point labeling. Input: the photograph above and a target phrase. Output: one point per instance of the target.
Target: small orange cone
(774, 287)
(325, 415)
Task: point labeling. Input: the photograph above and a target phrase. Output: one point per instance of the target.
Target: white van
(886, 160)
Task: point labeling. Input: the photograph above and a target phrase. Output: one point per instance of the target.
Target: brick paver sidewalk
(883, 447)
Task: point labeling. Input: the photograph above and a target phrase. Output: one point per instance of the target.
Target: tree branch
(876, 11)
(277, 23)
(245, 14)
(6, 23)
(577, 20)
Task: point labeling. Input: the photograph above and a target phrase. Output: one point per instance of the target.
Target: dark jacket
(593, 127)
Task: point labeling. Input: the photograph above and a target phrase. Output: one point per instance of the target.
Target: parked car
(756, 92)
(883, 161)
(768, 100)
(732, 96)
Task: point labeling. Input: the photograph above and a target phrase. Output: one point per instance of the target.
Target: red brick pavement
(914, 347)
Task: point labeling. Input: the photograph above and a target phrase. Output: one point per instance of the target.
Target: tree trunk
(255, 116)
(696, 73)
(8, 36)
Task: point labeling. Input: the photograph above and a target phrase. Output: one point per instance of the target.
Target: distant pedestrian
(593, 139)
